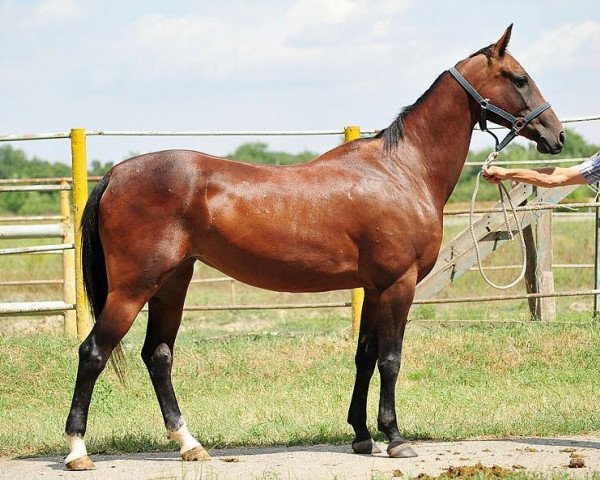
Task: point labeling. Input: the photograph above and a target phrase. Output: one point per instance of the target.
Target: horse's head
(501, 80)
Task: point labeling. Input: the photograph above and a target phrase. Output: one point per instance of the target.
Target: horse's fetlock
(386, 422)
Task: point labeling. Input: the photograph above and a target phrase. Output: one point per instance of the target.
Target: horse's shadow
(225, 455)
(232, 454)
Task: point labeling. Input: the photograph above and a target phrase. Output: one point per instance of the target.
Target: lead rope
(503, 193)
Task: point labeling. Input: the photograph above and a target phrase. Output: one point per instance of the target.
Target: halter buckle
(519, 124)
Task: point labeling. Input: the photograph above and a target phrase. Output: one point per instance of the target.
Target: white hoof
(195, 454)
(185, 440)
(77, 459)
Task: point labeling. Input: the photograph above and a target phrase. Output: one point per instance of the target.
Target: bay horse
(366, 214)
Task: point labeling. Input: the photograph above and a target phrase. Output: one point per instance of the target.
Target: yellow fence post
(68, 262)
(352, 132)
(80, 195)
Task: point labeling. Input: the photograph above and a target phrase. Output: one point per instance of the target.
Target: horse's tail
(95, 279)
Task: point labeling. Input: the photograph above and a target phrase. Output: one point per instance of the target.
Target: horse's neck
(440, 128)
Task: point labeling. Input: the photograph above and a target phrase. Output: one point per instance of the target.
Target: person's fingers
(491, 178)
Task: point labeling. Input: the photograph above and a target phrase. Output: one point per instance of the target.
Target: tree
(258, 152)
(99, 169)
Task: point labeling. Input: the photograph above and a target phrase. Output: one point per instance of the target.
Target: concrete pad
(323, 461)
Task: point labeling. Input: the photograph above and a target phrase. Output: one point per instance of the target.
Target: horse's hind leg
(164, 318)
(118, 314)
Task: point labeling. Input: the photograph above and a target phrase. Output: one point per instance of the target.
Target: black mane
(393, 134)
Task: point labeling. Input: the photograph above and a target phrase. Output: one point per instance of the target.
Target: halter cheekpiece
(517, 123)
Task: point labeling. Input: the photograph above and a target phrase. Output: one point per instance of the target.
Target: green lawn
(283, 389)
(285, 377)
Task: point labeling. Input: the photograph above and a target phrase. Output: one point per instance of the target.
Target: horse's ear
(500, 46)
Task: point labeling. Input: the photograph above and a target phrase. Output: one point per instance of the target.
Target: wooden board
(459, 255)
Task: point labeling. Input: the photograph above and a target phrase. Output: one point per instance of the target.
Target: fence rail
(74, 298)
(34, 188)
(220, 133)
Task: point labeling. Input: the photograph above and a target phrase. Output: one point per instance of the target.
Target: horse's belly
(284, 266)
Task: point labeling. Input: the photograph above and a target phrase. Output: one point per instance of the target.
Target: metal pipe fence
(74, 298)
(221, 133)
(28, 227)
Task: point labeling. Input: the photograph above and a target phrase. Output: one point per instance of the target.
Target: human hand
(495, 174)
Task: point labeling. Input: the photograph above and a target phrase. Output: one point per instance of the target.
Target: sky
(267, 65)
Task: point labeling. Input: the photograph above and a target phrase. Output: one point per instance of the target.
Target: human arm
(541, 177)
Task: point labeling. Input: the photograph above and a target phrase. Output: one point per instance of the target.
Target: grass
(285, 377)
(275, 389)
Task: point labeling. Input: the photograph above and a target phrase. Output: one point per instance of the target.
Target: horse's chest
(409, 246)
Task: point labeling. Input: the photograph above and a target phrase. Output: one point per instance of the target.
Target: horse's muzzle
(552, 146)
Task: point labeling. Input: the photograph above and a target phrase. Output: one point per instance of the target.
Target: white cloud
(566, 47)
(306, 12)
(31, 16)
(310, 34)
(271, 64)
(52, 10)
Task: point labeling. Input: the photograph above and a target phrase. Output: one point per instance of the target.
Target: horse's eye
(520, 82)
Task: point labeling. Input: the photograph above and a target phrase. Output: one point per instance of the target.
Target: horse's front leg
(393, 311)
(365, 360)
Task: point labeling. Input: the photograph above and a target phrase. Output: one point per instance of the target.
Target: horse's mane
(393, 134)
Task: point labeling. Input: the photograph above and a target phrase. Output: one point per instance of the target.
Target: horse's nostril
(561, 137)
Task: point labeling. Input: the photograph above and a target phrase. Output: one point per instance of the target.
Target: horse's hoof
(81, 463)
(196, 454)
(400, 450)
(365, 447)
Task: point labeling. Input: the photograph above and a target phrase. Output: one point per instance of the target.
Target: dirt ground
(327, 462)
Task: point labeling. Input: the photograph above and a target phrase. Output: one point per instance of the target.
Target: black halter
(517, 123)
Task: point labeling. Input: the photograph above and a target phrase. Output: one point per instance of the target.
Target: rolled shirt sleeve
(590, 169)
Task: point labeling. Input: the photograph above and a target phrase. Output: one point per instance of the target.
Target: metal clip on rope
(503, 193)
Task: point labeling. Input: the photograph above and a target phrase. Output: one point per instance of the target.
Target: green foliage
(100, 169)
(15, 164)
(257, 152)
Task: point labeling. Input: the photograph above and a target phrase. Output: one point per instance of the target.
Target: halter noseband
(517, 123)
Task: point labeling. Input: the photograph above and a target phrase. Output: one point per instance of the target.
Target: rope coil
(503, 193)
